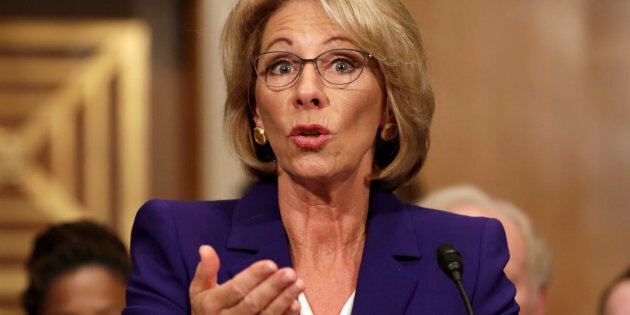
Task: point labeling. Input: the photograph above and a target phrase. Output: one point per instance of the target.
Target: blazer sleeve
(159, 278)
(494, 292)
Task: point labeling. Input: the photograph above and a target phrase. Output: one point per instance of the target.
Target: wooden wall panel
(533, 106)
(73, 132)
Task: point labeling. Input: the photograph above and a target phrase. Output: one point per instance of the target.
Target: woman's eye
(280, 67)
(343, 65)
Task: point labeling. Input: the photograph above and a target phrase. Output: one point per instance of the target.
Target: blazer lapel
(386, 282)
(257, 232)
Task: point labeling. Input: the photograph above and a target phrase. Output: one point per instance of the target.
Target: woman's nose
(309, 86)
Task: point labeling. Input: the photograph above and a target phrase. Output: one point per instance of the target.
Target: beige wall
(222, 175)
(533, 105)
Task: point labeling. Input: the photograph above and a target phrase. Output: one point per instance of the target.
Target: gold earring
(389, 132)
(259, 136)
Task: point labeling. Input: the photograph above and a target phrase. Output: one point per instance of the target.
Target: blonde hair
(385, 29)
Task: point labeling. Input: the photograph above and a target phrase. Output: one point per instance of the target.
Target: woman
(77, 268)
(332, 115)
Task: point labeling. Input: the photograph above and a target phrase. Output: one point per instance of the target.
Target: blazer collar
(391, 254)
(257, 229)
(391, 246)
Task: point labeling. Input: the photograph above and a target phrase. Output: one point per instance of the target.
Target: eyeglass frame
(253, 60)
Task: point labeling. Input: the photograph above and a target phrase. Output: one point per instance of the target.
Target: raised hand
(262, 288)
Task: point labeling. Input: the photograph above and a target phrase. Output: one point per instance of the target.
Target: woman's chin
(309, 169)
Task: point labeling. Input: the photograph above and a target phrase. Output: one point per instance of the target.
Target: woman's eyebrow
(290, 42)
(278, 40)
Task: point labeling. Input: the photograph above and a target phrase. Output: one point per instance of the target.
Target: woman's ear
(256, 117)
(387, 116)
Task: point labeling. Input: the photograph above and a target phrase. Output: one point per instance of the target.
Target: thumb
(207, 269)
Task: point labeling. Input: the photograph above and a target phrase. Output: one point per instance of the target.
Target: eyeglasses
(337, 66)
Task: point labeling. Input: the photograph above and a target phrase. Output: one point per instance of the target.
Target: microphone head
(450, 260)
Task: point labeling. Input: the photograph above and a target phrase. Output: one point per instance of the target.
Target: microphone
(450, 261)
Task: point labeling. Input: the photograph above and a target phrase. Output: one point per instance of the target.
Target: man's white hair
(538, 258)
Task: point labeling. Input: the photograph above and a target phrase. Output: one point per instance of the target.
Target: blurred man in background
(529, 267)
(616, 298)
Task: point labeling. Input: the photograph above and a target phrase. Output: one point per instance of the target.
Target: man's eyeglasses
(337, 66)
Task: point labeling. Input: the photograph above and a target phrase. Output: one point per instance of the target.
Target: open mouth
(310, 137)
(310, 133)
(312, 130)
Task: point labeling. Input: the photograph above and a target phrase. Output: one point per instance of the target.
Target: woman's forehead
(301, 23)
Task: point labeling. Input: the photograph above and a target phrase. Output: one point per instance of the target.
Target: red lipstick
(310, 137)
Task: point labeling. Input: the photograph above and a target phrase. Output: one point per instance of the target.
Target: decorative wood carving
(73, 131)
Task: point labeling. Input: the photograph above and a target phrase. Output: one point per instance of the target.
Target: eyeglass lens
(338, 66)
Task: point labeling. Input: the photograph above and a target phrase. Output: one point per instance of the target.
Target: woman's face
(89, 290)
(318, 130)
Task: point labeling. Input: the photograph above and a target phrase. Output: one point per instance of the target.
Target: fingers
(235, 290)
(294, 308)
(275, 295)
(261, 288)
(206, 274)
(286, 302)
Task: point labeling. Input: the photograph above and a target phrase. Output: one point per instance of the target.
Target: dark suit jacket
(399, 273)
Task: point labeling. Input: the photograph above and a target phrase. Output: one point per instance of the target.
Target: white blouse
(305, 308)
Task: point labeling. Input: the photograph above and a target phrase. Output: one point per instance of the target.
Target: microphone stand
(451, 263)
(460, 286)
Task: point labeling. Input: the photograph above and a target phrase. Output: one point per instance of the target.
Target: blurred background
(106, 104)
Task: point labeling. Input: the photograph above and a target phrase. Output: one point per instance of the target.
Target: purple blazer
(399, 273)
